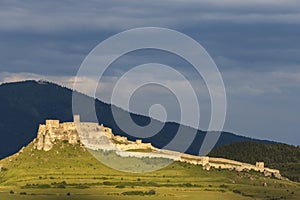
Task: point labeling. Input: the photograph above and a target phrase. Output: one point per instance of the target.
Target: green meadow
(71, 172)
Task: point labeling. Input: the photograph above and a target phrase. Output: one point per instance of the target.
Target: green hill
(283, 157)
(70, 172)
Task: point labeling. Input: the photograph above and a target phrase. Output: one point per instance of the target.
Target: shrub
(223, 186)
(60, 185)
(108, 183)
(23, 193)
(133, 193)
(237, 191)
(187, 185)
(141, 193)
(3, 169)
(120, 186)
(81, 186)
(44, 186)
(11, 192)
(151, 192)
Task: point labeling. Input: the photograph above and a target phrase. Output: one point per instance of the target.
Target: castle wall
(223, 160)
(125, 147)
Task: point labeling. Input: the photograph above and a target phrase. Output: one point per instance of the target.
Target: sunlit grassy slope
(70, 172)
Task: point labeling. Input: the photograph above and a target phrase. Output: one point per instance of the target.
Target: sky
(255, 45)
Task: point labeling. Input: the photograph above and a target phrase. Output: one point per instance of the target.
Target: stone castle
(97, 137)
(92, 135)
(54, 131)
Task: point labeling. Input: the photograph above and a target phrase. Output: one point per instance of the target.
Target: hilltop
(67, 168)
(30, 103)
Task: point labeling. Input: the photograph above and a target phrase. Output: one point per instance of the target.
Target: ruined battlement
(52, 123)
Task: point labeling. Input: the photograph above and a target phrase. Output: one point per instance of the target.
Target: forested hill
(283, 157)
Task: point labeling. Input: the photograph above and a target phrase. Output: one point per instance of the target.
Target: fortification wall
(126, 147)
(223, 160)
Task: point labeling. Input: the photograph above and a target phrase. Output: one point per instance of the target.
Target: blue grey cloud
(254, 43)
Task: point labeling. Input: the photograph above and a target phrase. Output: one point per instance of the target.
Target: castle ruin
(92, 135)
(97, 137)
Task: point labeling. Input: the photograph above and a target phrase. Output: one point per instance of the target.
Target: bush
(108, 183)
(223, 186)
(23, 193)
(120, 186)
(11, 192)
(62, 184)
(151, 192)
(82, 186)
(237, 191)
(141, 193)
(133, 193)
(3, 169)
(187, 185)
(44, 186)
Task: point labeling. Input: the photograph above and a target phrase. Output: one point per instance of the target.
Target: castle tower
(260, 165)
(204, 160)
(138, 141)
(76, 119)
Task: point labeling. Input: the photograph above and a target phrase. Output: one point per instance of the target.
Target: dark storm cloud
(254, 43)
(39, 36)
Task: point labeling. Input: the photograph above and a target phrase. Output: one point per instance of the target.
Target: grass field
(70, 172)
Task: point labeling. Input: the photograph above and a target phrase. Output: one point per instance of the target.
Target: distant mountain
(24, 105)
(283, 157)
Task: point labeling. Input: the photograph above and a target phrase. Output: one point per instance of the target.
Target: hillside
(284, 157)
(69, 172)
(24, 105)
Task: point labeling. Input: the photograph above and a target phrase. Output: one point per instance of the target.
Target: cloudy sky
(255, 45)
